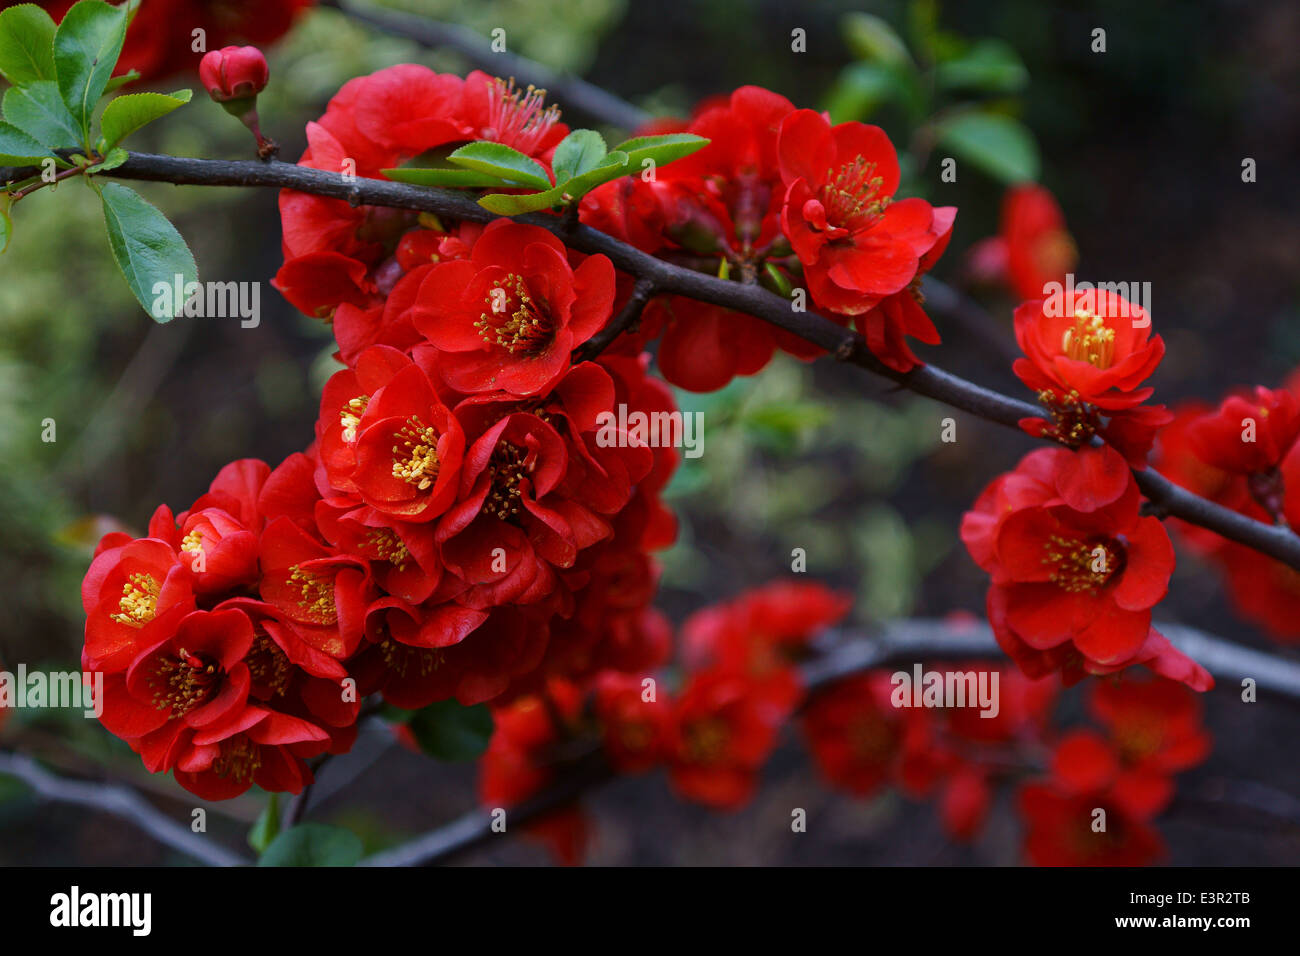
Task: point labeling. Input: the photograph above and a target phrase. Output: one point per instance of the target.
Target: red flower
(633, 728)
(233, 73)
(508, 318)
(854, 733)
(1032, 248)
(406, 445)
(1087, 353)
(720, 734)
(1060, 830)
(1067, 583)
(1177, 461)
(1249, 434)
(857, 243)
(1156, 729)
(135, 594)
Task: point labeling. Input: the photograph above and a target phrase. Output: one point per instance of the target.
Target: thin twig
(576, 95)
(627, 318)
(121, 802)
(844, 344)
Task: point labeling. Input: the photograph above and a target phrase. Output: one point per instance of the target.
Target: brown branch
(845, 345)
(627, 318)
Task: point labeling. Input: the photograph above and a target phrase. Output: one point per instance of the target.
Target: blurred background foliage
(1142, 144)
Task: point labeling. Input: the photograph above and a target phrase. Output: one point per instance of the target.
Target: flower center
(1082, 565)
(851, 196)
(238, 760)
(193, 543)
(268, 665)
(415, 456)
(383, 544)
(183, 682)
(513, 319)
(1089, 340)
(317, 594)
(508, 469)
(350, 417)
(517, 117)
(139, 601)
(399, 657)
(706, 739)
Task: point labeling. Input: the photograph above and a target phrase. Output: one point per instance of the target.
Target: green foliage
(581, 163)
(999, 145)
(267, 826)
(447, 730)
(26, 44)
(147, 247)
(87, 44)
(126, 114)
(313, 844)
(943, 86)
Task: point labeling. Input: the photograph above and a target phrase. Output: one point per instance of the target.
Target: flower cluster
(1095, 804)
(1243, 455)
(781, 197)
(741, 685)
(455, 531)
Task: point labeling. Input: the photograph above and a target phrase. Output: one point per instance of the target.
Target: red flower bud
(233, 73)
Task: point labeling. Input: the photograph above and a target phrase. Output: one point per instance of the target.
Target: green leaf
(86, 47)
(872, 39)
(147, 247)
(19, 149)
(861, 89)
(579, 152)
(504, 204)
(498, 160)
(453, 178)
(451, 731)
(126, 114)
(113, 159)
(38, 110)
(313, 844)
(999, 145)
(267, 827)
(662, 149)
(26, 44)
(117, 82)
(990, 66)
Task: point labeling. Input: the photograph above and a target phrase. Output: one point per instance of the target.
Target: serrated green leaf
(147, 247)
(662, 149)
(38, 110)
(126, 114)
(313, 844)
(26, 44)
(113, 159)
(450, 178)
(450, 731)
(86, 47)
(499, 160)
(117, 82)
(267, 826)
(18, 148)
(999, 145)
(504, 204)
(579, 152)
